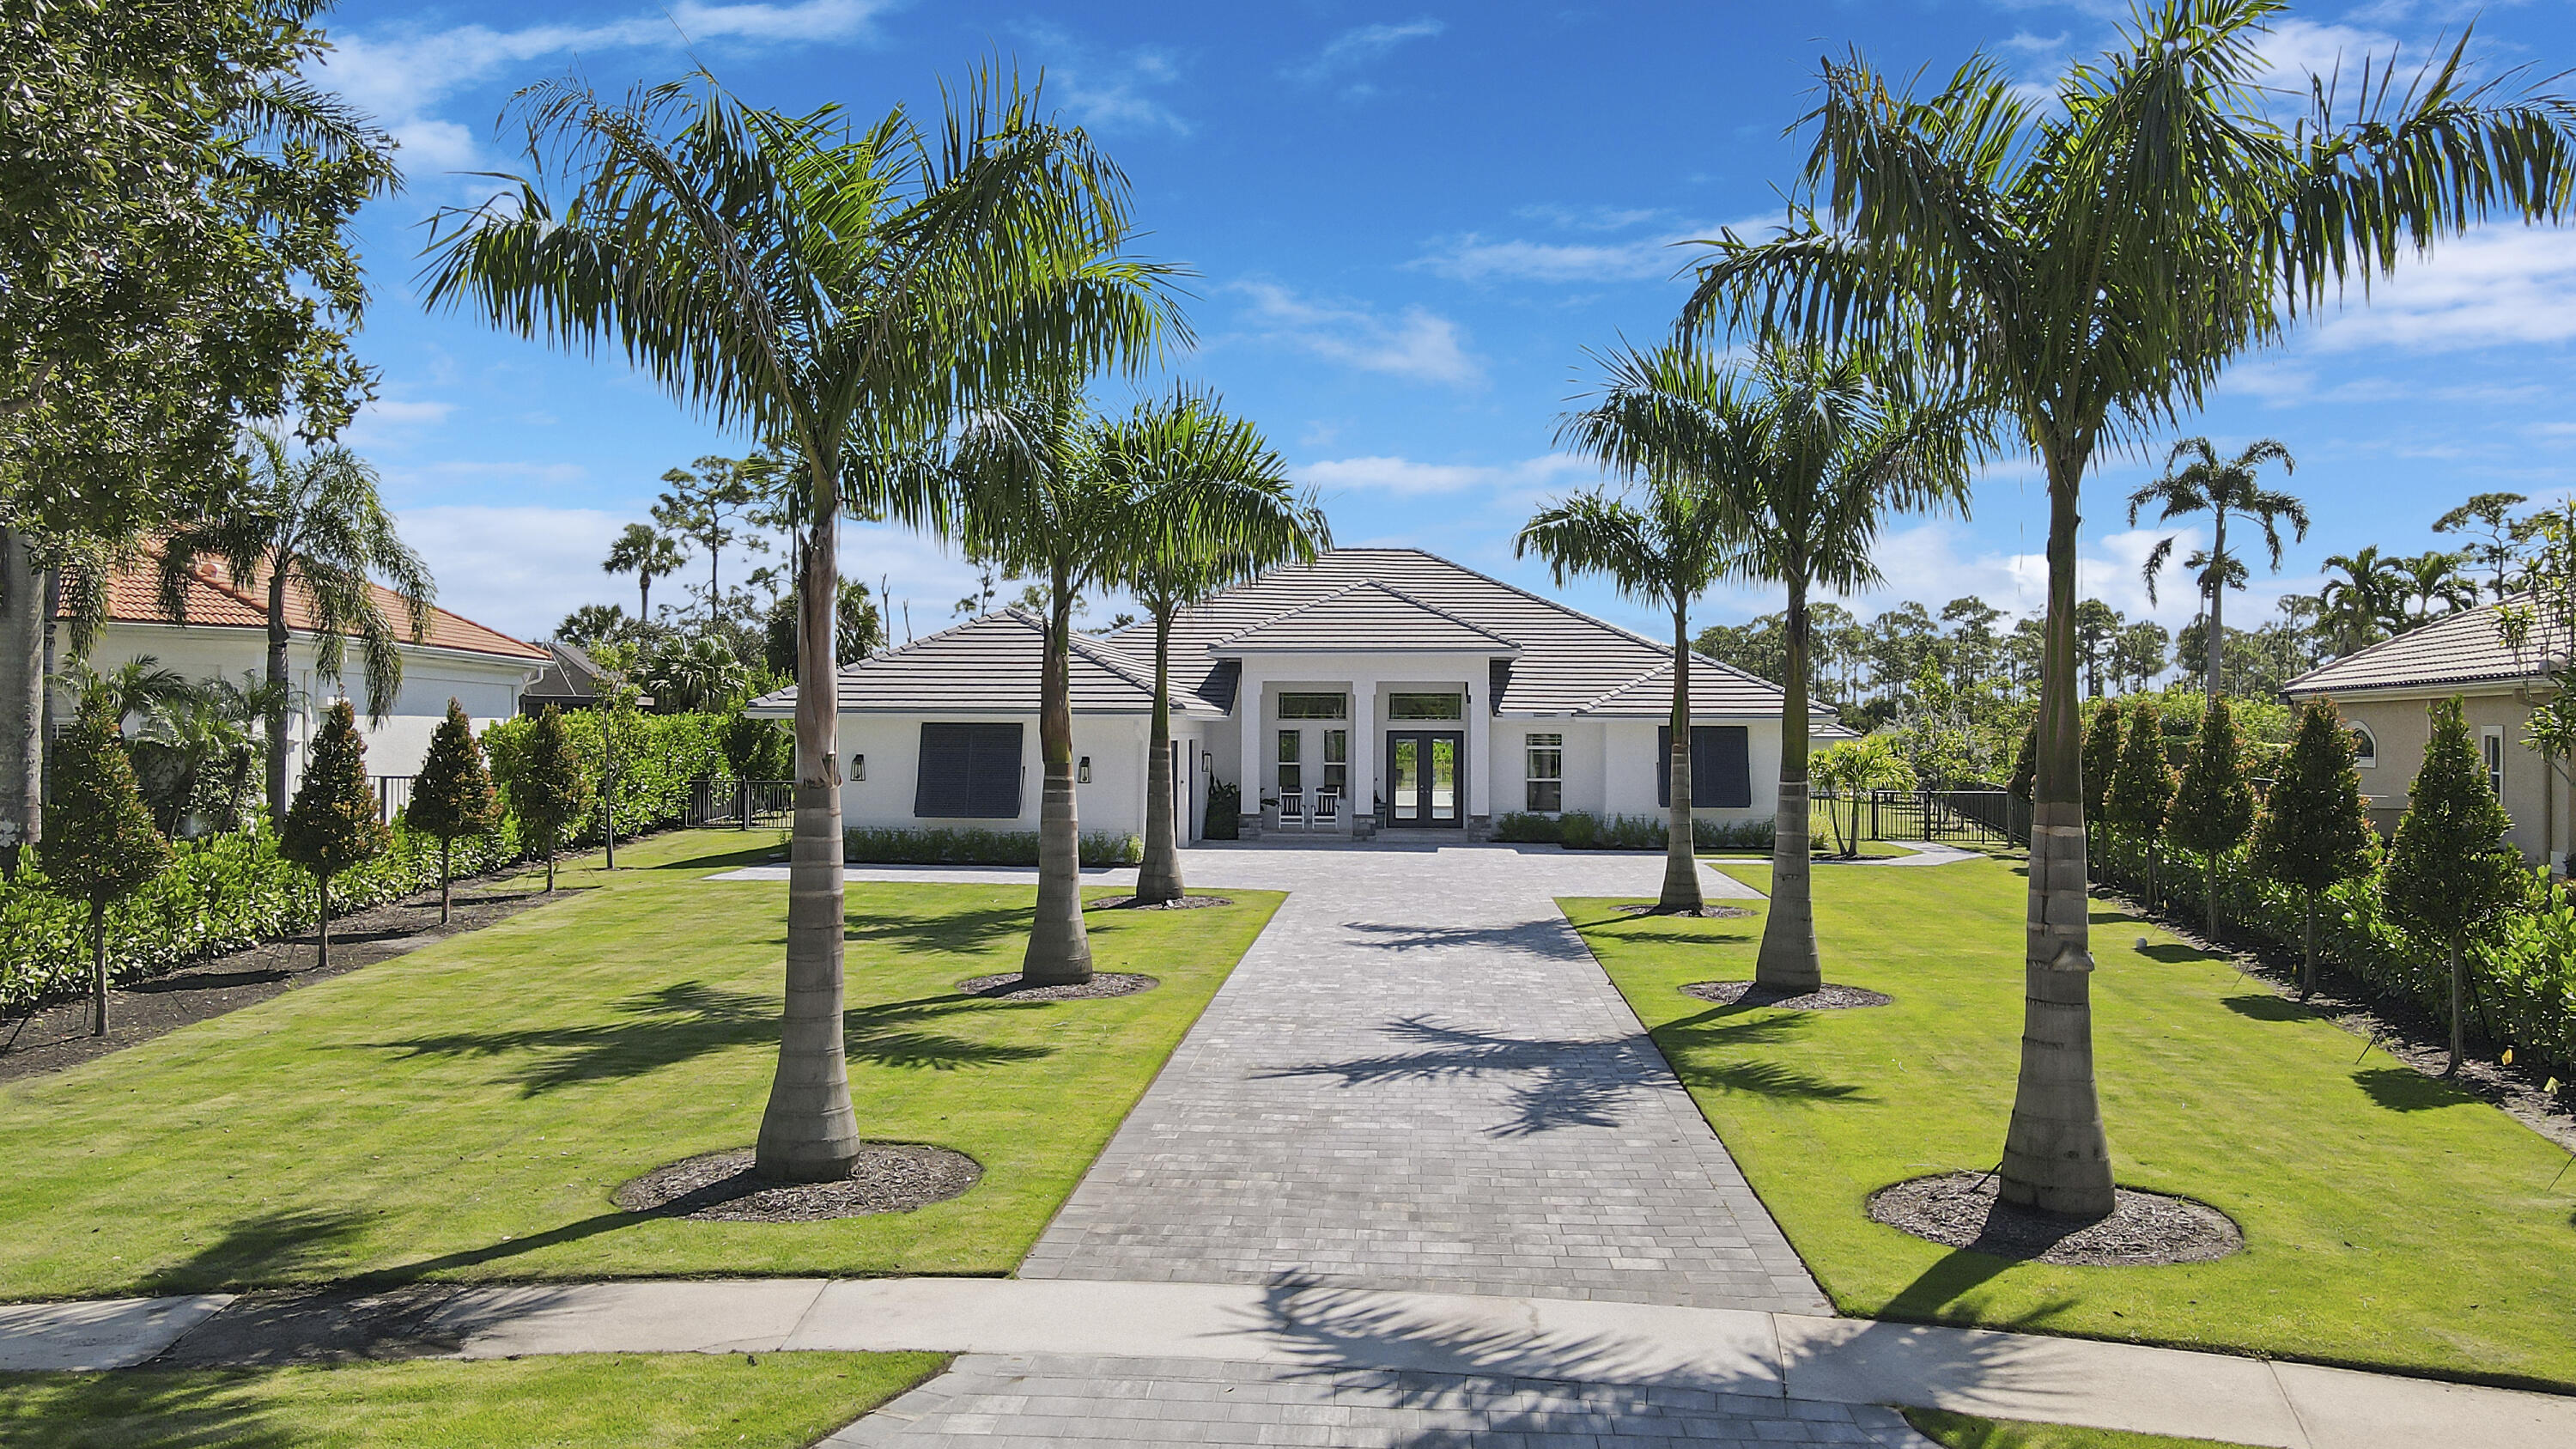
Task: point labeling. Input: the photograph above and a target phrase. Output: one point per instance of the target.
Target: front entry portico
(1426, 779)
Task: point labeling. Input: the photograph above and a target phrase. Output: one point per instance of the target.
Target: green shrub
(885, 845)
(1583, 830)
(1578, 829)
(660, 759)
(1524, 828)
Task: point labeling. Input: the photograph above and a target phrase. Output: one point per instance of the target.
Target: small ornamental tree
(453, 797)
(2101, 762)
(2450, 876)
(2213, 810)
(333, 823)
(2142, 786)
(2314, 832)
(99, 842)
(2025, 766)
(550, 792)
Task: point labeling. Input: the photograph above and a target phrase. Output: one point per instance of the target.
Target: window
(858, 767)
(1314, 706)
(2491, 747)
(1292, 777)
(1426, 706)
(968, 772)
(2365, 747)
(1546, 771)
(1337, 761)
(1721, 766)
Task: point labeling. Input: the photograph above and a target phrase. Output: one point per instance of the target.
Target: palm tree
(1248, 521)
(139, 686)
(2429, 580)
(2367, 604)
(2197, 480)
(1667, 548)
(841, 293)
(2096, 263)
(317, 530)
(648, 553)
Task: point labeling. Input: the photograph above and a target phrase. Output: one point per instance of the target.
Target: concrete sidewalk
(1289, 1333)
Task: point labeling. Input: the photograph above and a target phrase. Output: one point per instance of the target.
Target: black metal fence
(393, 792)
(1984, 817)
(741, 803)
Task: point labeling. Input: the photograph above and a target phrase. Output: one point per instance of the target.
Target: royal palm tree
(841, 292)
(648, 553)
(2197, 480)
(1667, 546)
(2429, 581)
(312, 532)
(1248, 520)
(2095, 263)
(2367, 604)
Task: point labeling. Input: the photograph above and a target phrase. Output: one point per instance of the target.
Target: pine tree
(2101, 761)
(2142, 786)
(2213, 810)
(550, 792)
(333, 823)
(99, 842)
(453, 797)
(2450, 875)
(2314, 832)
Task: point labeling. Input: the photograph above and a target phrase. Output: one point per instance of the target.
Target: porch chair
(1328, 810)
(1292, 809)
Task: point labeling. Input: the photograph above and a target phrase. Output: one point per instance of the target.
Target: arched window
(2365, 746)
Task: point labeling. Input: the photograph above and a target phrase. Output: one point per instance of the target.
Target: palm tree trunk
(1158, 879)
(643, 596)
(2459, 1025)
(1059, 948)
(1681, 857)
(808, 1132)
(1787, 962)
(2213, 645)
(2056, 1156)
(277, 691)
(25, 619)
(97, 967)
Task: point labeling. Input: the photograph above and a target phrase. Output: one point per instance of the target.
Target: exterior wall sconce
(1082, 772)
(858, 767)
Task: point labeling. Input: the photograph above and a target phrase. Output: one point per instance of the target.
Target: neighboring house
(2384, 692)
(226, 636)
(569, 681)
(1381, 683)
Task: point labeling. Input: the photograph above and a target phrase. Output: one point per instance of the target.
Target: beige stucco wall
(2539, 801)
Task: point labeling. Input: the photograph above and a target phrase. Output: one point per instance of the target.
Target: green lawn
(2391, 1221)
(581, 1401)
(1823, 850)
(464, 1112)
(1966, 1431)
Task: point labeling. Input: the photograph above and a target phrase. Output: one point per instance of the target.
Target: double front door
(1425, 778)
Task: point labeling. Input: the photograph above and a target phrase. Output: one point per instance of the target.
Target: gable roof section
(1715, 689)
(989, 665)
(213, 599)
(2462, 649)
(1366, 618)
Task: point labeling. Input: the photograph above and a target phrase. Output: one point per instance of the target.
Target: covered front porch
(1366, 754)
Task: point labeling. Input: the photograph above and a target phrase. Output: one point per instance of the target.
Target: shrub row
(892, 846)
(1582, 830)
(660, 759)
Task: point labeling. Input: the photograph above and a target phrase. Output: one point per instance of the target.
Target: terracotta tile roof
(2463, 649)
(213, 599)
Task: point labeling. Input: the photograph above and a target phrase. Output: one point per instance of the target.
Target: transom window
(1314, 706)
(1426, 706)
(1546, 772)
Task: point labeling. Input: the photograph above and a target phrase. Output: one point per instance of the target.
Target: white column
(1363, 723)
(1480, 736)
(1247, 710)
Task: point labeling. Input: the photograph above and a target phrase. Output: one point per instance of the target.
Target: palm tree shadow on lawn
(1694, 1043)
(951, 932)
(689, 1019)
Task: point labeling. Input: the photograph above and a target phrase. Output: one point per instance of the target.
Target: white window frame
(2491, 754)
(2366, 752)
(1532, 744)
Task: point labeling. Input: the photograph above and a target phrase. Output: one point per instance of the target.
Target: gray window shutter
(1721, 767)
(968, 772)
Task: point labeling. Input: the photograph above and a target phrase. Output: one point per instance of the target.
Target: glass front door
(1426, 778)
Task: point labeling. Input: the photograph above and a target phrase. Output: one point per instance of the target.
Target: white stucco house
(225, 635)
(1373, 689)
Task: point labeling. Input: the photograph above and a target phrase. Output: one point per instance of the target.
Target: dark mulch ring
(1829, 997)
(1180, 903)
(1104, 983)
(1705, 913)
(719, 1187)
(2146, 1229)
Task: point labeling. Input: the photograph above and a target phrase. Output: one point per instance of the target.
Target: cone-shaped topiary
(2101, 760)
(2450, 874)
(453, 797)
(2314, 832)
(333, 823)
(2213, 808)
(99, 842)
(550, 792)
(2142, 786)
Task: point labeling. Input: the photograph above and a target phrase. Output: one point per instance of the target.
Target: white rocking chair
(1328, 810)
(1292, 809)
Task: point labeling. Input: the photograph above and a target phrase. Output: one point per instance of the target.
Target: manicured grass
(1823, 850)
(1966, 1431)
(611, 1401)
(464, 1112)
(2391, 1220)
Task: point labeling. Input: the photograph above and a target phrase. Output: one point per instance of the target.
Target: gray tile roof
(2463, 649)
(991, 666)
(1368, 616)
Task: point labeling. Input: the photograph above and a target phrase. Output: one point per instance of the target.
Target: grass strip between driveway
(2392, 1221)
(581, 1401)
(1966, 1431)
(464, 1112)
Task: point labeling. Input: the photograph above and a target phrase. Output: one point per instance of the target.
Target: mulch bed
(1182, 903)
(720, 1187)
(1828, 997)
(1704, 913)
(56, 1035)
(1104, 983)
(2145, 1229)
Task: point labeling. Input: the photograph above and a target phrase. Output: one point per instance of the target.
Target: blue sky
(1407, 225)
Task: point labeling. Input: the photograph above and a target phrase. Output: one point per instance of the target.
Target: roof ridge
(1346, 591)
(1430, 607)
(2410, 636)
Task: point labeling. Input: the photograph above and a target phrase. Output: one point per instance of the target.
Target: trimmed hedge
(1583, 830)
(660, 759)
(893, 846)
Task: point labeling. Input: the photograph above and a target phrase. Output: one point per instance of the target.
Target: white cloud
(1107, 92)
(2498, 284)
(2298, 49)
(516, 569)
(1405, 478)
(1475, 257)
(1365, 45)
(1414, 343)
